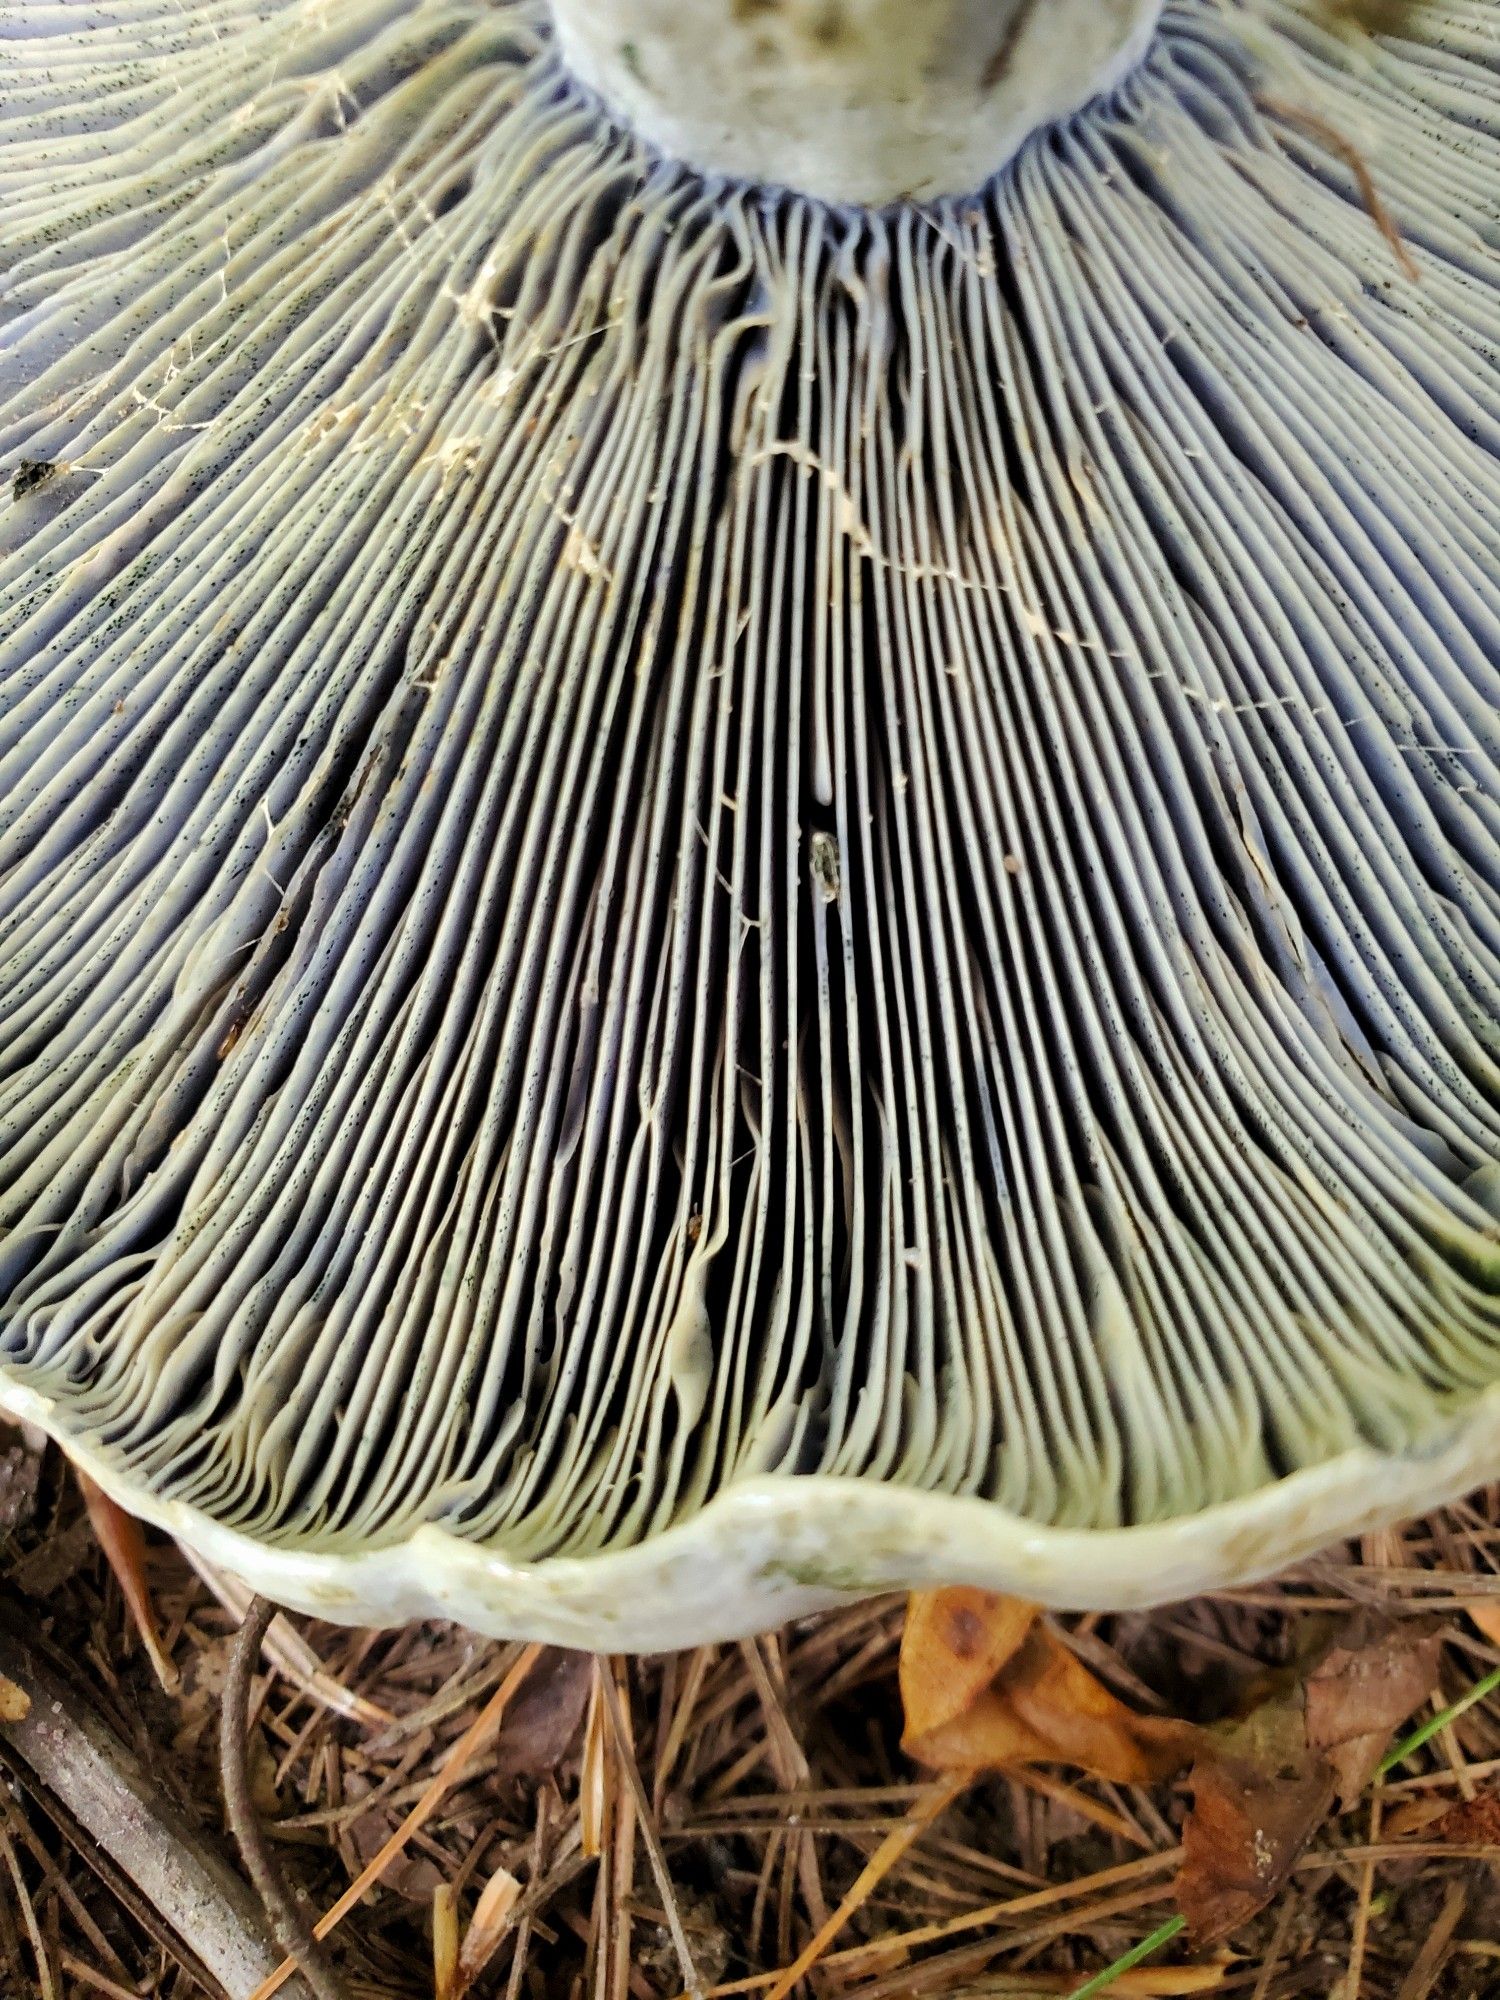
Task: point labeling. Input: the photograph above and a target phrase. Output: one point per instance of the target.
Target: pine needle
(124, 1545)
(479, 1730)
(923, 1812)
(625, 1752)
(444, 1941)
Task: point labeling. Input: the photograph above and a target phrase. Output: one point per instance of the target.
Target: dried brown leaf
(1471, 1823)
(985, 1684)
(1484, 1615)
(1258, 1798)
(415, 1877)
(1409, 1816)
(547, 1716)
(1263, 1786)
(952, 1646)
(1365, 1685)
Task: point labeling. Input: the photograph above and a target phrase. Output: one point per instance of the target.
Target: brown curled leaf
(986, 1684)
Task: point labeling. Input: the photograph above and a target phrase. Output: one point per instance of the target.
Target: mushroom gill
(707, 895)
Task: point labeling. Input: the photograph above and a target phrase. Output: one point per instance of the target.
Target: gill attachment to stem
(861, 101)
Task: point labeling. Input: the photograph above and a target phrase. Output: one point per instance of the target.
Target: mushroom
(748, 831)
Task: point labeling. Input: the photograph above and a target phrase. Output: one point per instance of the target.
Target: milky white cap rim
(768, 1550)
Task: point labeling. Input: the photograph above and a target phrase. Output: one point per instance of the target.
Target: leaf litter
(957, 1796)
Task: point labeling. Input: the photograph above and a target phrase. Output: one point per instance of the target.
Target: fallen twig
(290, 1654)
(286, 1920)
(66, 1754)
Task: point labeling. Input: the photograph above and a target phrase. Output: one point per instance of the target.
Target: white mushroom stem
(860, 101)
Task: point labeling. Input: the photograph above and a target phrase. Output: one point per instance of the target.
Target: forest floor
(742, 1820)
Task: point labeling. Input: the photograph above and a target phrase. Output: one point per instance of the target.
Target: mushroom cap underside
(705, 899)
